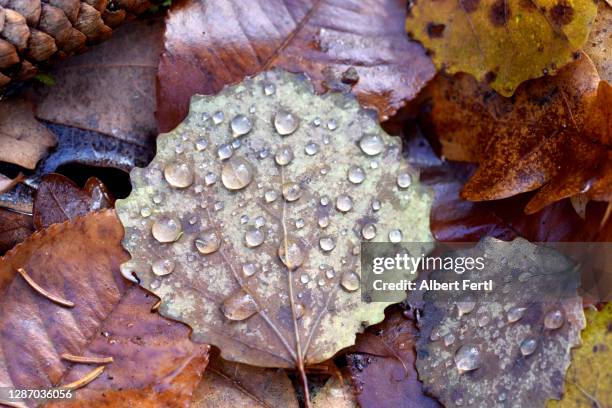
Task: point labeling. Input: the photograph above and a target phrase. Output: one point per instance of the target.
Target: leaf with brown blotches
(339, 43)
(248, 222)
(59, 199)
(23, 140)
(553, 135)
(503, 42)
(14, 228)
(382, 365)
(78, 262)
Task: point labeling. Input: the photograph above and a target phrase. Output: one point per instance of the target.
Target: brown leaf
(79, 262)
(382, 369)
(59, 199)
(337, 392)
(14, 228)
(110, 89)
(227, 385)
(7, 183)
(23, 140)
(553, 135)
(215, 43)
(599, 44)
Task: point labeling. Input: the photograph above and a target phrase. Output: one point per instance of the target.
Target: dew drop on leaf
(285, 123)
(236, 174)
(254, 237)
(208, 241)
(249, 269)
(528, 346)
(371, 144)
(311, 149)
(350, 281)
(327, 243)
(344, 203)
(291, 191)
(404, 180)
(225, 151)
(166, 229)
(467, 358)
(554, 319)
(395, 235)
(356, 174)
(515, 314)
(163, 267)
(291, 254)
(270, 196)
(239, 306)
(218, 117)
(368, 231)
(178, 175)
(283, 156)
(240, 125)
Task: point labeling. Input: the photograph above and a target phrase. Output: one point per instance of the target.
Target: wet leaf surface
(339, 43)
(503, 42)
(553, 135)
(79, 262)
(267, 232)
(382, 369)
(505, 347)
(589, 381)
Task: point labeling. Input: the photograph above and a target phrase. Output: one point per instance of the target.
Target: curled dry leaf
(23, 140)
(553, 135)
(504, 42)
(229, 385)
(249, 220)
(338, 43)
(59, 199)
(506, 347)
(382, 367)
(589, 380)
(79, 261)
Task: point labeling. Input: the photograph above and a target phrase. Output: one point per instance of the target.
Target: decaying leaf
(503, 42)
(249, 220)
(78, 262)
(229, 385)
(59, 199)
(382, 369)
(589, 380)
(509, 346)
(599, 44)
(339, 43)
(14, 228)
(337, 393)
(7, 183)
(23, 140)
(554, 134)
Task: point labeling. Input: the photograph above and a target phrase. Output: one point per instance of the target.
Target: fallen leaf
(14, 228)
(553, 135)
(502, 42)
(59, 199)
(110, 89)
(338, 43)
(23, 140)
(599, 44)
(79, 261)
(337, 393)
(256, 204)
(229, 385)
(589, 381)
(509, 345)
(382, 368)
(7, 183)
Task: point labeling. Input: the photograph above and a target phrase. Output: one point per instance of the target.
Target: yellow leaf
(504, 42)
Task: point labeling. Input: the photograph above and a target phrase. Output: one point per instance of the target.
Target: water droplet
(240, 125)
(162, 267)
(316, 122)
(465, 307)
(373, 164)
(554, 319)
(263, 153)
(376, 205)
(260, 221)
(311, 149)
(283, 156)
(210, 178)
(270, 196)
(236, 174)
(502, 397)
(178, 175)
(239, 306)
(157, 199)
(332, 124)
(145, 212)
(330, 273)
(304, 278)
(371, 144)
(285, 123)
(201, 144)
(208, 241)
(291, 191)
(218, 117)
(483, 320)
(327, 243)
(299, 311)
(449, 339)
(236, 143)
(368, 231)
(299, 223)
(515, 314)
(324, 200)
(269, 89)
(404, 180)
(218, 206)
(356, 174)
(225, 151)
(395, 235)
(249, 269)
(166, 229)
(344, 203)
(244, 219)
(467, 358)
(350, 281)
(291, 254)
(528, 346)
(323, 221)
(254, 237)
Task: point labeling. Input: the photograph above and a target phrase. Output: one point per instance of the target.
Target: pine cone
(35, 31)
